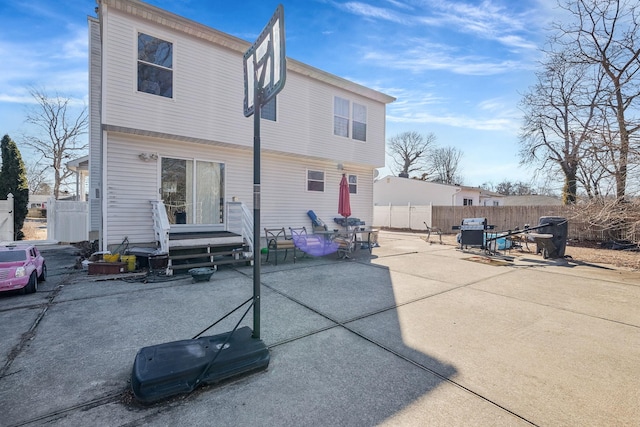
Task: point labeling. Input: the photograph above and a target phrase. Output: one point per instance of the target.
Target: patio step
(210, 255)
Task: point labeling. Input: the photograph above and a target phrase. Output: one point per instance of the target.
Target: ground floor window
(193, 191)
(315, 180)
(467, 202)
(353, 184)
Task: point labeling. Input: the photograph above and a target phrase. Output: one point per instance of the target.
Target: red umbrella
(344, 204)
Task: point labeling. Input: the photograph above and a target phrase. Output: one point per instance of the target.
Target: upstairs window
(268, 110)
(349, 119)
(155, 66)
(359, 122)
(341, 117)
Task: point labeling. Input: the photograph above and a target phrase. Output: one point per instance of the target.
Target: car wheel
(32, 286)
(43, 276)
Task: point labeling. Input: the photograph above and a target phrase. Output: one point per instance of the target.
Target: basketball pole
(258, 92)
(257, 99)
(261, 95)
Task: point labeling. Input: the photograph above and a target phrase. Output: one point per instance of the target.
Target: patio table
(371, 238)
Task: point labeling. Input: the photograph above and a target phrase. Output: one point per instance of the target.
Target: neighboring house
(80, 168)
(167, 123)
(532, 200)
(393, 190)
(38, 201)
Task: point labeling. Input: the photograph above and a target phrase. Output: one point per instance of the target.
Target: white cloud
(489, 124)
(16, 99)
(372, 12)
(76, 47)
(429, 56)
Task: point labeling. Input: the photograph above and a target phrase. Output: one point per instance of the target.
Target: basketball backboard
(265, 63)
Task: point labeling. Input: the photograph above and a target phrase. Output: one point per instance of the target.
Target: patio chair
(317, 224)
(346, 243)
(435, 230)
(277, 240)
(311, 244)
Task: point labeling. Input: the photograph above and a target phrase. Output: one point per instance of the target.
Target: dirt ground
(35, 229)
(585, 251)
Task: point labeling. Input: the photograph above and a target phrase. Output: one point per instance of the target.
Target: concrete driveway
(416, 334)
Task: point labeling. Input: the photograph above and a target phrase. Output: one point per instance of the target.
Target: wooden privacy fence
(502, 217)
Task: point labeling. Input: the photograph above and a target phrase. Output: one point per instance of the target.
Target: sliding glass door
(193, 191)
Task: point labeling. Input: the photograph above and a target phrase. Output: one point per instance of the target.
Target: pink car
(21, 267)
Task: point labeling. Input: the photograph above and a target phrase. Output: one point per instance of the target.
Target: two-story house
(167, 126)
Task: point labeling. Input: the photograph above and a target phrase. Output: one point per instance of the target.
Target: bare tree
(559, 112)
(604, 35)
(509, 188)
(37, 178)
(59, 138)
(445, 162)
(410, 152)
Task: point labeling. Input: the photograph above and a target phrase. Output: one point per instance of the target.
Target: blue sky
(457, 68)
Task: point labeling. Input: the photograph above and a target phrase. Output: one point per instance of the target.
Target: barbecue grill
(472, 232)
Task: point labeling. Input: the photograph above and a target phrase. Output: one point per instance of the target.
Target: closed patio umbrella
(344, 202)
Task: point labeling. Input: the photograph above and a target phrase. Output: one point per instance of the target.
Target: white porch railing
(239, 220)
(161, 225)
(6, 219)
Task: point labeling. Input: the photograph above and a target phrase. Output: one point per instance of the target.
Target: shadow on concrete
(336, 343)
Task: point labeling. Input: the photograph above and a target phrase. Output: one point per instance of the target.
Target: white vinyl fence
(403, 217)
(67, 221)
(6, 219)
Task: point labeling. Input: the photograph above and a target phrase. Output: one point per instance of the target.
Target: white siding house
(393, 190)
(167, 123)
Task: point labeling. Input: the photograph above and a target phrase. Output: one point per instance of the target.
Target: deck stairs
(188, 250)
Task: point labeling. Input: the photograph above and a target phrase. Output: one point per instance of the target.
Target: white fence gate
(67, 221)
(404, 217)
(6, 219)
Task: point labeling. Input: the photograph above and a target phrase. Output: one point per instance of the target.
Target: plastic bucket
(111, 257)
(130, 260)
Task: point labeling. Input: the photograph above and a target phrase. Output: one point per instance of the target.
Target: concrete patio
(416, 334)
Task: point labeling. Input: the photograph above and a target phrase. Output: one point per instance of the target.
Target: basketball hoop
(265, 64)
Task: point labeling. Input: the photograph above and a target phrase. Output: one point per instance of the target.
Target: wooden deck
(206, 249)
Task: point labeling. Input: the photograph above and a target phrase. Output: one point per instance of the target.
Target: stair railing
(161, 224)
(240, 221)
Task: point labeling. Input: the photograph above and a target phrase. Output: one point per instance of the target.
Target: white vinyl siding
(207, 101)
(205, 119)
(95, 130)
(285, 199)
(133, 183)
